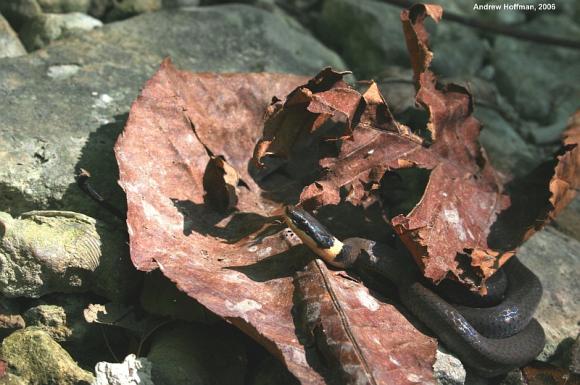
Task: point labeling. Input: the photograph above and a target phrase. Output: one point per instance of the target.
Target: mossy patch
(36, 358)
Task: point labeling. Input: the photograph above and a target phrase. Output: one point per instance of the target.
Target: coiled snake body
(491, 340)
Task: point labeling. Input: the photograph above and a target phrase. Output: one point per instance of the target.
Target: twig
(148, 334)
(108, 345)
(497, 28)
(83, 182)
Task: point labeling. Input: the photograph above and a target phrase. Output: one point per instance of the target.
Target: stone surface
(47, 28)
(85, 342)
(122, 9)
(448, 369)
(51, 319)
(539, 80)
(161, 297)
(11, 379)
(10, 318)
(59, 251)
(99, 8)
(10, 45)
(64, 6)
(507, 150)
(37, 359)
(568, 222)
(179, 3)
(515, 377)
(555, 258)
(130, 371)
(196, 354)
(41, 150)
(17, 12)
(574, 365)
(271, 371)
(369, 36)
(505, 16)
(457, 50)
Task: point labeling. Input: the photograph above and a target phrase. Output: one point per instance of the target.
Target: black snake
(492, 338)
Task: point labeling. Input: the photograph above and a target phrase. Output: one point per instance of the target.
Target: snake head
(314, 235)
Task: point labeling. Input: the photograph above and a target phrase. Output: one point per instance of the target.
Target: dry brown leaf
(461, 200)
(184, 164)
(463, 225)
(220, 182)
(364, 340)
(565, 183)
(214, 256)
(163, 155)
(541, 373)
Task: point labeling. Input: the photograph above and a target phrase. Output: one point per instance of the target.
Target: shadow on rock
(98, 158)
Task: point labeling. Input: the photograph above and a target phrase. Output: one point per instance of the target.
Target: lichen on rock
(37, 359)
(43, 252)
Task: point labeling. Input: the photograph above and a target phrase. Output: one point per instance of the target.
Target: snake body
(491, 340)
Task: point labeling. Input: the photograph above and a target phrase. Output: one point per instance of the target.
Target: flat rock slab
(10, 46)
(540, 81)
(554, 257)
(64, 106)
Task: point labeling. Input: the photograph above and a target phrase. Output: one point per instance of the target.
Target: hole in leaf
(402, 190)
(416, 119)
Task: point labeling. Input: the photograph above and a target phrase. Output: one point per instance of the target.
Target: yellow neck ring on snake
(314, 235)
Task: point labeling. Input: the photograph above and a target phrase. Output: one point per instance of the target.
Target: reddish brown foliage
(459, 211)
(179, 163)
(200, 211)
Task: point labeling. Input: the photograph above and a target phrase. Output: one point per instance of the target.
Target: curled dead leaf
(462, 226)
(220, 182)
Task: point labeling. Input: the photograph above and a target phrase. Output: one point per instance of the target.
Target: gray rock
(515, 377)
(540, 81)
(59, 251)
(46, 28)
(555, 258)
(38, 359)
(62, 71)
(196, 354)
(73, 122)
(179, 3)
(507, 150)
(51, 319)
(99, 8)
(503, 16)
(448, 369)
(457, 50)
(122, 9)
(368, 35)
(18, 12)
(574, 365)
(10, 45)
(161, 297)
(64, 6)
(82, 340)
(272, 371)
(11, 379)
(370, 38)
(130, 371)
(568, 221)
(397, 86)
(10, 318)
